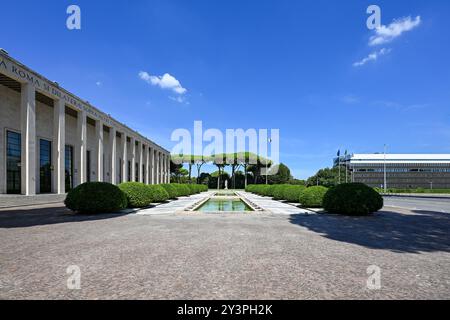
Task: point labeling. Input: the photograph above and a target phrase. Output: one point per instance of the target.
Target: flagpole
(385, 174)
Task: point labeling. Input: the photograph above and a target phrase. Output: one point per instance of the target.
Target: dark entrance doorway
(69, 167)
(13, 171)
(45, 166)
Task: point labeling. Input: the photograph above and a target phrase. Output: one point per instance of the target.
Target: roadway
(419, 203)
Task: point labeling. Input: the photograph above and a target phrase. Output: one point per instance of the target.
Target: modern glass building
(52, 141)
(403, 171)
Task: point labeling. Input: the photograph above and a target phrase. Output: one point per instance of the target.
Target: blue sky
(289, 65)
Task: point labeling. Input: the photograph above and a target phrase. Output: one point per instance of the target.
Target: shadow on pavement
(46, 215)
(415, 232)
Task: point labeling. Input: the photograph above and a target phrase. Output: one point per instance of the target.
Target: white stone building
(52, 141)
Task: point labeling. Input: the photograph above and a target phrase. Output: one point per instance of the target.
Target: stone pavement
(170, 255)
(272, 206)
(175, 206)
(267, 204)
(11, 201)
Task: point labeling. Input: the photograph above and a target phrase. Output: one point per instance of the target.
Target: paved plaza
(165, 253)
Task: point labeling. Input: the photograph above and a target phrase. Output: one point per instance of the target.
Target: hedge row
(308, 197)
(99, 197)
(348, 199)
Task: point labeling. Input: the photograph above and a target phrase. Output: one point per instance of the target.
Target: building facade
(403, 171)
(51, 140)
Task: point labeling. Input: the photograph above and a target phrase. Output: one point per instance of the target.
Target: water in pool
(226, 205)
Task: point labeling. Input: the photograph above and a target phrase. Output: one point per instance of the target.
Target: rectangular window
(129, 170)
(13, 158)
(136, 172)
(120, 169)
(45, 166)
(69, 167)
(88, 166)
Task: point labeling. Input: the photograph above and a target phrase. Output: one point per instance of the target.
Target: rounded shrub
(352, 199)
(96, 197)
(159, 194)
(171, 190)
(278, 193)
(138, 195)
(292, 193)
(312, 197)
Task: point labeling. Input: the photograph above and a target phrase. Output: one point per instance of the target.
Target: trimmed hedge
(96, 197)
(278, 193)
(138, 195)
(182, 190)
(312, 197)
(352, 199)
(171, 190)
(159, 194)
(292, 193)
(287, 192)
(193, 188)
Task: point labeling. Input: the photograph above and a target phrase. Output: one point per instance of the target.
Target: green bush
(182, 189)
(250, 188)
(171, 190)
(96, 197)
(192, 188)
(159, 194)
(278, 193)
(262, 189)
(312, 197)
(270, 191)
(292, 193)
(138, 195)
(352, 199)
(198, 188)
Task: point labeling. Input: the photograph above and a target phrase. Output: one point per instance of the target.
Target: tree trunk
(245, 172)
(190, 172)
(218, 180)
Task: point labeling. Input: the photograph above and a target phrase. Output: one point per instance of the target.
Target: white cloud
(179, 99)
(350, 99)
(98, 83)
(372, 57)
(385, 34)
(166, 81)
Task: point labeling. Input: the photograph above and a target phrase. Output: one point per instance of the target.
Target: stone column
(163, 179)
(28, 138)
(140, 162)
(133, 159)
(157, 167)
(124, 157)
(161, 167)
(100, 149)
(113, 144)
(59, 147)
(81, 148)
(168, 168)
(147, 165)
(152, 166)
